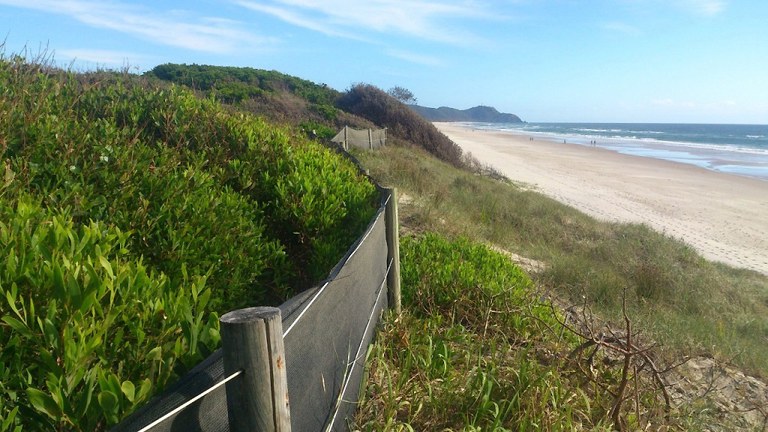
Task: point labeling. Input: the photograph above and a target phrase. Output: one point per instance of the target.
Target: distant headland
(477, 114)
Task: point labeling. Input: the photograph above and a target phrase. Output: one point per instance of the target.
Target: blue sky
(695, 61)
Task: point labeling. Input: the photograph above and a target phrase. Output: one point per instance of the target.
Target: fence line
(365, 139)
(310, 360)
(184, 406)
(359, 347)
(325, 285)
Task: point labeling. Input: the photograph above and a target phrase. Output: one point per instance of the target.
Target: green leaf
(108, 401)
(6, 424)
(155, 354)
(107, 266)
(44, 403)
(144, 390)
(129, 390)
(59, 287)
(18, 326)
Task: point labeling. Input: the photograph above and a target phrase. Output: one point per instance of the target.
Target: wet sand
(723, 216)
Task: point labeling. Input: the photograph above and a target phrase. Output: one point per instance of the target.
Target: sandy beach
(723, 216)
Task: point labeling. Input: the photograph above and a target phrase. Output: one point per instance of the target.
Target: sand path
(723, 216)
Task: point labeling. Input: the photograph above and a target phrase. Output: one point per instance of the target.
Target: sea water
(734, 149)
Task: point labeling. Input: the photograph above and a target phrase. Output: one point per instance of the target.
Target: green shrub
(317, 130)
(88, 333)
(462, 280)
(225, 194)
(129, 215)
(460, 356)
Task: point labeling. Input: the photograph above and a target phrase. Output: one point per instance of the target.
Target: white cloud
(294, 18)
(205, 34)
(429, 20)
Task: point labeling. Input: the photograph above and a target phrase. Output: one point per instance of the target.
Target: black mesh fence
(326, 330)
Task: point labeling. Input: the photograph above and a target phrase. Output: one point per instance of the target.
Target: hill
(315, 108)
(476, 114)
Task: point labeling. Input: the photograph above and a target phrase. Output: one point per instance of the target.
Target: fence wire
(183, 406)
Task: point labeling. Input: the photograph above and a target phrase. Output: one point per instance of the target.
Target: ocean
(734, 149)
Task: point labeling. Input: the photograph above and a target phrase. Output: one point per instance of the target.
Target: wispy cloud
(207, 34)
(298, 19)
(433, 20)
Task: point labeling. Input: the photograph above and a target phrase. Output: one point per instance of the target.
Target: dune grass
(688, 304)
(472, 351)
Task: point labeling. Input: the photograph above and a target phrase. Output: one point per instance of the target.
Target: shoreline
(744, 161)
(723, 216)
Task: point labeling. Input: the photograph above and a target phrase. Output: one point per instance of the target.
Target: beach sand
(723, 216)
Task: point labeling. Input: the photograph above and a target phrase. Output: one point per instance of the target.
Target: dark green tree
(403, 95)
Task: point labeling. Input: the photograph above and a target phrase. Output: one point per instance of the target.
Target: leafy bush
(88, 332)
(461, 356)
(223, 194)
(463, 279)
(129, 216)
(239, 84)
(315, 129)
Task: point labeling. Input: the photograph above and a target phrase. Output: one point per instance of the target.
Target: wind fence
(365, 139)
(326, 332)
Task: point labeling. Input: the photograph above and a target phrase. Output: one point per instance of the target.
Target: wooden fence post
(393, 251)
(370, 139)
(252, 342)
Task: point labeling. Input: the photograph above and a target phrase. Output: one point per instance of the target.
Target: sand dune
(723, 216)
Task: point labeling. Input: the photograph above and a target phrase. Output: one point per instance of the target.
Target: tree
(402, 94)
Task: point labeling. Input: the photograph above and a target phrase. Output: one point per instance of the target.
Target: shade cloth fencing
(326, 333)
(365, 139)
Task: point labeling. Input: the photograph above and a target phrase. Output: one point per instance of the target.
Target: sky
(669, 61)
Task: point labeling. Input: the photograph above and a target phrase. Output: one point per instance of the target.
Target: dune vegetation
(132, 214)
(434, 367)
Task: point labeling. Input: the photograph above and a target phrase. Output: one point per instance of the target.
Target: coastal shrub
(88, 332)
(460, 357)
(154, 210)
(225, 194)
(271, 94)
(107, 167)
(376, 105)
(317, 130)
(460, 278)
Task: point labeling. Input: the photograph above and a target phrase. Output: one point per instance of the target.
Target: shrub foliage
(131, 215)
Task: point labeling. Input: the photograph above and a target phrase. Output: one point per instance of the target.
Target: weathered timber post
(393, 251)
(370, 139)
(252, 342)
